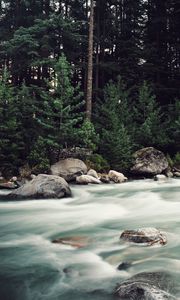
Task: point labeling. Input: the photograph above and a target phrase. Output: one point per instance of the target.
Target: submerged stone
(74, 241)
(124, 266)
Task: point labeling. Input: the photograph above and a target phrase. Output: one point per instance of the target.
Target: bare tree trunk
(97, 49)
(90, 64)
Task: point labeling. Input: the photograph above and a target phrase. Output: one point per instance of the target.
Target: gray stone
(104, 178)
(116, 176)
(93, 173)
(149, 161)
(177, 174)
(69, 169)
(146, 286)
(41, 187)
(147, 236)
(160, 177)
(169, 174)
(9, 185)
(86, 179)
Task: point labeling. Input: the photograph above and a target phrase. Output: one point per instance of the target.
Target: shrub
(38, 157)
(176, 159)
(88, 137)
(98, 163)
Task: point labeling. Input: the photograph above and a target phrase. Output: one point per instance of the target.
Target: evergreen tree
(27, 107)
(173, 127)
(148, 119)
(10, 138)
(59, 117)
(116, 144)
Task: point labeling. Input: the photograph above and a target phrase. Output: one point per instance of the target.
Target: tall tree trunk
(90, 64)
(97, 22)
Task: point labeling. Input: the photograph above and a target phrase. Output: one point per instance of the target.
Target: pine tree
(27, 109)
(173, 127)
(59, 110)
(116, 144)
(148, 119)
(10, 139)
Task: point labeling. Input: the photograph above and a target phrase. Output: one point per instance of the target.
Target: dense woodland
(44, 66)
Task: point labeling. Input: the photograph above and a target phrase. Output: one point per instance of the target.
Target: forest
(97, 75)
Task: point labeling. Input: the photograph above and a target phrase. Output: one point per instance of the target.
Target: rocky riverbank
(148, 162)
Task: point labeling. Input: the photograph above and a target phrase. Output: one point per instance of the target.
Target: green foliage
(89, 138)
(176, 159)
(10, 139)
(173, 126)
(26, 112)
(38, 157)
(148, 119)
(170, 161)
(116, 144)
(59, 115)
(98, 163)
(117, 148)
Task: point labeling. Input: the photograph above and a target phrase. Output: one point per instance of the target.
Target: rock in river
(86, 179)
(69, 168)
(8, 185)
(93, 173)
(116, 176)
(147, 236)
(160, 177)
(74, 241)
(146, 286)
(149, 161)
(41, 187)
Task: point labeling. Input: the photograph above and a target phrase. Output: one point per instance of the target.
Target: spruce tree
(116, 144)
(59, 111)
(11, 145)
(148, 119)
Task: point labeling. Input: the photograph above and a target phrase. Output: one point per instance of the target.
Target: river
(33, 268)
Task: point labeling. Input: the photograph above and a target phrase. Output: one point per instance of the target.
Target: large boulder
(41, 187)
(146, 236)
(149, 161)
(146, 286)
(116, 176)
(86, 179)
(69, 168)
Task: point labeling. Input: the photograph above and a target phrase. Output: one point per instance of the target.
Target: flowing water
(33, 268)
